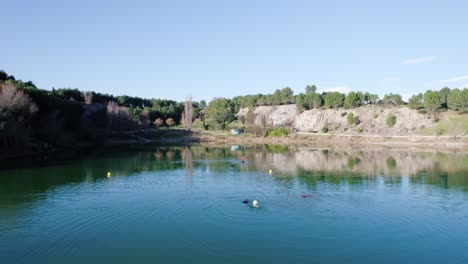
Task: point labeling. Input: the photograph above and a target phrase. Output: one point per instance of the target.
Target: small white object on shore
(255, 203)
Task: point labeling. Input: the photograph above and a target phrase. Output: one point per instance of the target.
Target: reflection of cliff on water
(338, 166)
(444, 169)
(21, 187)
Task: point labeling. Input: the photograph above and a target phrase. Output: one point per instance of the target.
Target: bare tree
(88, 97)
(14, 100)
(187, 160)
(144, 119)
(118, 117)
(187, 115)
(16, 110)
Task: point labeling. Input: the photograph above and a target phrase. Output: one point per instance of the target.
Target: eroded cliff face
(372, 119)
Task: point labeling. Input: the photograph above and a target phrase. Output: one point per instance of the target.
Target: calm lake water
(184, 205)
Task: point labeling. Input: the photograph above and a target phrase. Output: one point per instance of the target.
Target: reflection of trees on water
(187, 160)
(308, 167)
(313, 166)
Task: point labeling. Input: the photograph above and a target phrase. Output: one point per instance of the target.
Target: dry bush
(158, 122)
(170, 122)
(118, 118)
(14, 101)
(16, 111)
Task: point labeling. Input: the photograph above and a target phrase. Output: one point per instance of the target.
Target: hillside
(363, 120)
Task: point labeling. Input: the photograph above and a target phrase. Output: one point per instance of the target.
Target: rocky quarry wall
(372, 119)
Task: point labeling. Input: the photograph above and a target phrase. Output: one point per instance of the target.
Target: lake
(184, 205)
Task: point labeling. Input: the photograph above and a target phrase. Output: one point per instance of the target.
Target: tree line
(221, 111)
(64, 115)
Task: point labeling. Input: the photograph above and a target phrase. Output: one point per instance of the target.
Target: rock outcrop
(372, 119)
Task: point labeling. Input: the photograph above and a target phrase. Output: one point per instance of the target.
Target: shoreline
(299, 139)
(341, 140)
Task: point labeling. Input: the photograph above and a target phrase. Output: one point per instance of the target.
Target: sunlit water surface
(184, 205)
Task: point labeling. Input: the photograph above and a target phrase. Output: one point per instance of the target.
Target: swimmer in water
(246, 201)
(255, 204)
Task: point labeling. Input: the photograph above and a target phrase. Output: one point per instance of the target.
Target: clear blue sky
(172, 49)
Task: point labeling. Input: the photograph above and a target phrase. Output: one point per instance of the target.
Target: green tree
(373, 98)
(334, 99)
(219, 113)
(351, 100)
(316, 101)
(3, 75)
(122, 100)
(202, 104)
(361, 98)
(301, 102)
(310, 89)
(286, 95)
(394, 99)
(458, 100)
(444, 94)
(416, 101)
(432, 100)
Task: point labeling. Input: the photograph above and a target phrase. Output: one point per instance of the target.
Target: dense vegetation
(34, 117)
(37, 118)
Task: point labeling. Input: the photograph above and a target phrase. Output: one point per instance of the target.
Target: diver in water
(254, 203)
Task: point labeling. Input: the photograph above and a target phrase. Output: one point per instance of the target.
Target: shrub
(350, 118)
(343, 114)
(353, 119)
(170, 122)
(277, 132)
(359, 129)
(422, 111)
(158, 122)
(324, 129)
(440, 131)
(391, 163)
(375, 116)
(391, 120)
(356, 120)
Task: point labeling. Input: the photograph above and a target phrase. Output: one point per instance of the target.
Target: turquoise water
(184, 205)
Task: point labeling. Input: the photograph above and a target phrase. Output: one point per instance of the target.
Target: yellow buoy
(270, 171)
(108, 174)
